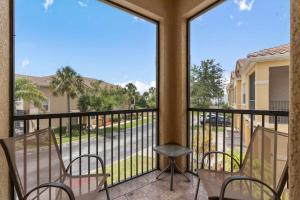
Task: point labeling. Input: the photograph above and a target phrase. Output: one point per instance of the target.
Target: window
(252, 92)
(244, 93)
(234, 95)
(89, 51)
(45, 106)
(251, 26)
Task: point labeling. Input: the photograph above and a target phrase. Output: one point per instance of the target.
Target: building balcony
(125, 139)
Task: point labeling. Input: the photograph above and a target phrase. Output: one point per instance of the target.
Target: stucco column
(173, 107)
(294, 124)
(4, 97)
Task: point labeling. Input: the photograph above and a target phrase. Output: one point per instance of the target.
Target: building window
(252, 92)
(244, 93)
(46, 105)
(234, 95)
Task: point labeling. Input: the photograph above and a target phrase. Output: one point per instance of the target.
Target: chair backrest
(34, 159)
(266, 157)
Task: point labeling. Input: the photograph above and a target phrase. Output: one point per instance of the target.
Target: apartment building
(53, 104)
(261, 82)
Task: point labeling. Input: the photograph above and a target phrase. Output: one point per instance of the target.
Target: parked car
(214, 120)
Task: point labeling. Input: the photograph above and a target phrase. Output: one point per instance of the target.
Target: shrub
(56, 130)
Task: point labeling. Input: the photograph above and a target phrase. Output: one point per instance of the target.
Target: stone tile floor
(148, 188)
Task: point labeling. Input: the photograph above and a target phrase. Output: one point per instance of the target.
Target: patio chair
(262, 174)
(38, 171)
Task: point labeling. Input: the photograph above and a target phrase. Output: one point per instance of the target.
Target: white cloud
(231, 16)
(138, 19)
(240, 23)
(141, 86)
(47, 4)
(244, 5)
(83, 3)
(25, 62)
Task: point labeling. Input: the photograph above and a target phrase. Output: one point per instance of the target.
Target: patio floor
(148, 188)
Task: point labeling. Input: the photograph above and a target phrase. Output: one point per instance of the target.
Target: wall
(294, 125)
(262, 85)
(4, 97)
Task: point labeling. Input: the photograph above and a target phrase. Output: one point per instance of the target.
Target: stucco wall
(4, 97)
(294, 125)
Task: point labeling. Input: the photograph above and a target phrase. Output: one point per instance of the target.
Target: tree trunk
(68, 103)
(68, 110)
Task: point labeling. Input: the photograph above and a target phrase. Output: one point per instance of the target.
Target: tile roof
(278, 50)
(44, 81)
(282, 49)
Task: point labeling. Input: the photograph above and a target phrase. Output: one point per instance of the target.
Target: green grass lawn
(84, 133)
(135, 170)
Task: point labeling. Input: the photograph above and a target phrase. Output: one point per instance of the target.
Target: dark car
(214, 120)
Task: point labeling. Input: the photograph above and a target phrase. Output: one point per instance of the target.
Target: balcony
(125, 140)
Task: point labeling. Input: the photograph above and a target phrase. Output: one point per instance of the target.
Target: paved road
(115, 145)
(117, 149)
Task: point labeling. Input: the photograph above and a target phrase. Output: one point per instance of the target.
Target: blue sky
(95, 39)
(105, 43)
(238, 27)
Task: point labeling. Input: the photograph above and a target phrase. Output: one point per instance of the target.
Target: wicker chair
(262, 175)
(38, 171)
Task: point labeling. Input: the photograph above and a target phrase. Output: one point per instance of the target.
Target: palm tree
(67, 81)
(26, 90)
(131, 91)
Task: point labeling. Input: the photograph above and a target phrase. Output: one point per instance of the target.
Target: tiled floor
(147, 187)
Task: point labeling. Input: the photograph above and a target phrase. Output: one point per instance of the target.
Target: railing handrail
(78, 114)
(236, 111)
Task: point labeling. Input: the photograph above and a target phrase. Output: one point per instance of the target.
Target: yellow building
(261, 82)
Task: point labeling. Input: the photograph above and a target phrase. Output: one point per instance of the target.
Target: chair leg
(198, 185)
(106, 190)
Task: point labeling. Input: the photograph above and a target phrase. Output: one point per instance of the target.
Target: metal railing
(280, 106)
(225, 130)
(123, 138)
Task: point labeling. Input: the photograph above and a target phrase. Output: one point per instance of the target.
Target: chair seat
(213, 180)
(84, 188)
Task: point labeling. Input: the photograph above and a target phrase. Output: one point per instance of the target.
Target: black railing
(123, 138)
(228, 131)
(281, 106)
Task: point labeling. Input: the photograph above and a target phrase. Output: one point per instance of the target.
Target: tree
(141, 100)
(207, 83)
(26, 90)
(83, 103)
(97, 98)
(131, 91)
(151, 102)
(67, 81)
(120, 97)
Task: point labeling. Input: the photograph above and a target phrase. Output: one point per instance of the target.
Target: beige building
(53, 104)
(261, 82)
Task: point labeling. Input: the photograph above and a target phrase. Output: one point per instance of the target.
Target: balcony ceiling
(160, 9)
